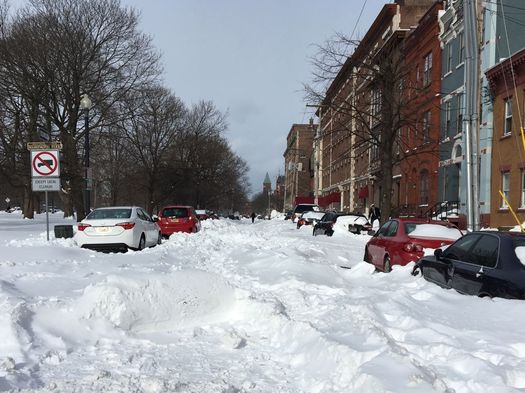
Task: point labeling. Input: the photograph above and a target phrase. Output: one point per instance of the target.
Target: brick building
(507, 83)
(297, 170)
(415, 188)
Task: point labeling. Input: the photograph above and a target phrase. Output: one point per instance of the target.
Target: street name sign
(44, 145)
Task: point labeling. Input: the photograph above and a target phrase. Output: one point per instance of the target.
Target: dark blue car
(484, 263)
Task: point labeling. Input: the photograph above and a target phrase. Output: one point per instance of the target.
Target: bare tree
(54, 51)
(151, 132)
(371, 100)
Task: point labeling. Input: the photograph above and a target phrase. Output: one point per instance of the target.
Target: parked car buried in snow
(325, 226)
(202, 215)
(482, 263)
(403, 240)
(117, 229)
(357, 223)
(303, 207)
(176, 218)
(309, 218)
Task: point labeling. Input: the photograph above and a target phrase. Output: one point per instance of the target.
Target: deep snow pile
(241, 307)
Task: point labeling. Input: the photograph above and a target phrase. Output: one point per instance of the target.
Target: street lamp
(85, 104)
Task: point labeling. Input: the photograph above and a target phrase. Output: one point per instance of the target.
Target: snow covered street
(241, 307)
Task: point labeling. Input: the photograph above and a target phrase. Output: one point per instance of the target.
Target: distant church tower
(267, 184)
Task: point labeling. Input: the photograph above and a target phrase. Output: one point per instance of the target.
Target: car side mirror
(155, 218)
(438, 253)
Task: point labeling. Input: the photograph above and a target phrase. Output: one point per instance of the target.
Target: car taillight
(126, 225)
(81, 227)
(412, 247)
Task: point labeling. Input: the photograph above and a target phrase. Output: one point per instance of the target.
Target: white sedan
(118, 228)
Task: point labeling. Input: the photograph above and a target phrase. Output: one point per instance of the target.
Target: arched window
(424, 185)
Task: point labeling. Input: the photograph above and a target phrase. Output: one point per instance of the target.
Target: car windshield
(100, 214)
(177, 212)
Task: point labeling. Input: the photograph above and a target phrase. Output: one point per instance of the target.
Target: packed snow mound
(341, 225)
(159, 302)
(435, 231)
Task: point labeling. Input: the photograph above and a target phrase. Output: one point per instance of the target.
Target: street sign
(45, 163)
(46, 184)
(44, 145)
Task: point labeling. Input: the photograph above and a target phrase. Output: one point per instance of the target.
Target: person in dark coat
(374, 214)
(253, 217)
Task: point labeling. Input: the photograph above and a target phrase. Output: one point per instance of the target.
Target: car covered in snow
(309, 218)
(403, 240)
(202, 214)
(118, 228)
(328, 223)
(484, 263)
(303, 207)
(355, 223)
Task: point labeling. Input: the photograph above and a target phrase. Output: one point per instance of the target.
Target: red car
(402, 240)
(178, 219)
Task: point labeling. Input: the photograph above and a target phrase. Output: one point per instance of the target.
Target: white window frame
(522, 203)
(461, 48)
(507, 125)
(427, 73)
(505, 188)
(459, 123)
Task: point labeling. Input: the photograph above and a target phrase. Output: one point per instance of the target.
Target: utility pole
(471, 112)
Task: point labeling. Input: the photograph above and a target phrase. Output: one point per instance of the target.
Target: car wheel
(142, 243)
(159, 239)
(387, 268)
(329, 233)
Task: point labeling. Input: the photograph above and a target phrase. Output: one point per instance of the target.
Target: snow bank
(158, 302)
(435, 231)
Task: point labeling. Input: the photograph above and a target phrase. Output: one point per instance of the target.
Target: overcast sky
(250, 57)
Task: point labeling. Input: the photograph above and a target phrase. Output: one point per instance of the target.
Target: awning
(363, 192)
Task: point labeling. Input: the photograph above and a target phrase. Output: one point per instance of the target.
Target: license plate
(102, 229)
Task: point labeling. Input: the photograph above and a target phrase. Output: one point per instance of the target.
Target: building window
(423, 187)
(460, 113)
(522, 202)
(426, 127)
(427, 75)
(461, 48)
(508, 116)
(447, 119)
(505, 188)
(448, 58)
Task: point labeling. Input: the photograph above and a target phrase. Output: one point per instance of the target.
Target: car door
(148, 228)
(476, 267)
(376, 245)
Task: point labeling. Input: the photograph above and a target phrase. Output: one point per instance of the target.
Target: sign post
(45, 170)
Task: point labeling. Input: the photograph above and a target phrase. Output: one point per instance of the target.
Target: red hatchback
(178, 219)
(402, 240)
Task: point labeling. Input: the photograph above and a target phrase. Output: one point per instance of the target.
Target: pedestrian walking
(253, 217)
(374, 214)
